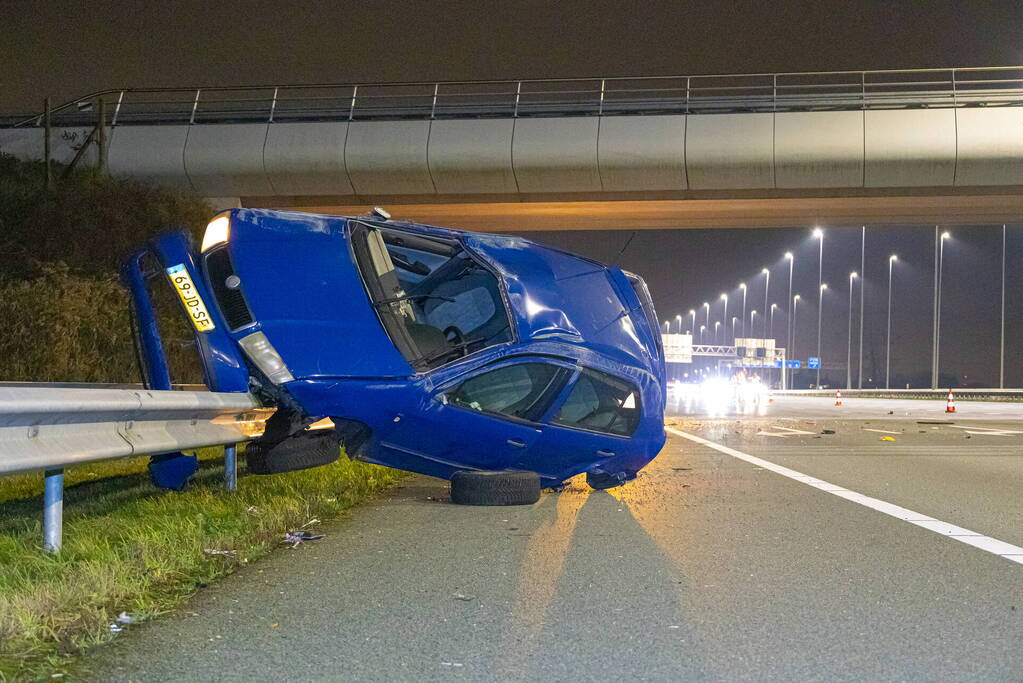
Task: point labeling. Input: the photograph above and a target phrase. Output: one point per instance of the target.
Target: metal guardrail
(936, 394)
(701, 94)
(50, 428)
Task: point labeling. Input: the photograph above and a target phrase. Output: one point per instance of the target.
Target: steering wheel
(454, 336)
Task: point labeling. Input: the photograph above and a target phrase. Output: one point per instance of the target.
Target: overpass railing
(704, 94)
(52, 427)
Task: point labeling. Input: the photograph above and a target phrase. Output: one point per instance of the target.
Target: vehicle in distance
(421, 348)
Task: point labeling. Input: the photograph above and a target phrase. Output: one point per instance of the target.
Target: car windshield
(436, 302)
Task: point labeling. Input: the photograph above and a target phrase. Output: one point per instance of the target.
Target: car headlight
(217, 232)
(261, 352)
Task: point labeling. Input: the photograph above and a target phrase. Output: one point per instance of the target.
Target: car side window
(513, 390)
(601, 403)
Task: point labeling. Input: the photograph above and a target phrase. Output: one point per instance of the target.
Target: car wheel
(299, 452)
(508, 487)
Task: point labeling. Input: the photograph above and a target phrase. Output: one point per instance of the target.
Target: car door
(485, 420)
(590, 425)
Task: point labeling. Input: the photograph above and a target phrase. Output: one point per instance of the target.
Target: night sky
(68, 49)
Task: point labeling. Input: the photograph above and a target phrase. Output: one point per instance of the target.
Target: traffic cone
(950, 405)
(838, 397)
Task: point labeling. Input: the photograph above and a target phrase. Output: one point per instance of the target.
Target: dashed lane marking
(1010, 552)
(880, 431)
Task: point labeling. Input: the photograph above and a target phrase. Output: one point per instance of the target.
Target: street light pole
(706, 307)
(795, 306)
(848, 362)
(771, 333)
(717, 325)
(819, 234)
(820, 316)
(724, 316)
(734, 318)
(934, 316)
(692, 312)
(666, 327)
(788, 336)
(742, 286)
(1001, 355)
(863, 277)
(702, 328)
(752, 317)
(936, 372)
(767, 289)
(888, 341)
(678, 319)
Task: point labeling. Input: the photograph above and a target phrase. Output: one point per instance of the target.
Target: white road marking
(1010, 552)
(794, 431)
(991, 433)
(986, 431)
(782, 436)
(879, 431)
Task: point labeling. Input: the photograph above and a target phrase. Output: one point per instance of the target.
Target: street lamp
(717, 325)
(666, 327)
(788, 336)
(888, 341)
(773, 307)
(792, 344)
(706, 308)
(692, 312)
(848, 362)
(678, 319)
(767, 289)
(936, 358)
(742, 286)
(724, 316)
(702, 328)
(752, 318)
(734, 318)
(819, 234)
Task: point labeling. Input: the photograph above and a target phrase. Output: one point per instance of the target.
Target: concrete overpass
(926, 146)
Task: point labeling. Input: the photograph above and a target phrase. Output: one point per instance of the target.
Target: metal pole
(848, 362)
(101, 137)
(231, 467)
(724, 317)
(1001, 363)
(820, 303)
(53, 510)
(937, 322)
(934, 321)
(795, 306)
(888, 339)
(743, 310)
(46, 144)
(788, 337)
(863, 286)
(767, 289)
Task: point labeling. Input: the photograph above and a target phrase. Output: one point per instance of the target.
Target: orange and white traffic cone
(950, 405)
(838, 397)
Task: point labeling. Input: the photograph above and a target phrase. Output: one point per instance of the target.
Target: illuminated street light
(734, 319)
(742, 286)
(666, 328)
(702, 328)
(767, 289)
(819, 234)
(888, 341)
(752, 317)
(773, 307)
(678, 319)
(717, 326)
(788, 336)
(706, 308)
(938, 268)
(792, 343)
(848, 362)
(692, 312)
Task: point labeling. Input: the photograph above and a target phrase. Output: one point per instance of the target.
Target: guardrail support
(231, 467)
(53, 510)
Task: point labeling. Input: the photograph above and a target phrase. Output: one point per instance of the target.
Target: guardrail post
(231, 467)
(101, 136)
(53, 510)
(46, 143)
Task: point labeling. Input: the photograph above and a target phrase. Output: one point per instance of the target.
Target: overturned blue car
(495, 362)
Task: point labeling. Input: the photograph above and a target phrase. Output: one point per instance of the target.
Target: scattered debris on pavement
(827, 431)
(887, 438)
(297, 537)
(217, 551)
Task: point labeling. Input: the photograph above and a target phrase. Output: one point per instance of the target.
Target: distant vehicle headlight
(217, 232)
(261, 352)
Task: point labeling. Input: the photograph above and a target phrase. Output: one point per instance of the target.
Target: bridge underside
(975, 206)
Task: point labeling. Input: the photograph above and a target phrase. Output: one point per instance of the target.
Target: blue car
(426, 349)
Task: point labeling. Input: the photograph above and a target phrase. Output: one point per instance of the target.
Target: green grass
(133, 548)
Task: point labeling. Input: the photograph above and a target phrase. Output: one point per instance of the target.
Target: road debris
(297, 537)
(217, 551)
(887, 438)
(827, 431)
(464, 598)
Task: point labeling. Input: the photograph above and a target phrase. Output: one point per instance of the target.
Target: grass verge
(133, 548)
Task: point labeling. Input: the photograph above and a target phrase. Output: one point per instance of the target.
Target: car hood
(306, 294)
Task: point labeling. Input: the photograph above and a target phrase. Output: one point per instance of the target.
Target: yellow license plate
(189, 295)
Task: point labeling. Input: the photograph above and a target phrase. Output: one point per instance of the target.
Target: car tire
(508, 487)
(299, 452)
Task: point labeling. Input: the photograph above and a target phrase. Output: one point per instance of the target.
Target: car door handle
(605, 454)
(516, 443)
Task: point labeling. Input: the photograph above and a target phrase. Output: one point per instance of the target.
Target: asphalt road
(718, 563)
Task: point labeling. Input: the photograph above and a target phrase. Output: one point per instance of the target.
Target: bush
(64, 316)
